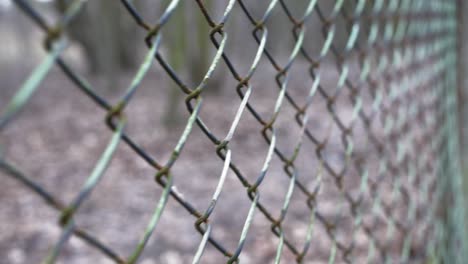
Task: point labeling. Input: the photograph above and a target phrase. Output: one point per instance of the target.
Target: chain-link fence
(371, 152)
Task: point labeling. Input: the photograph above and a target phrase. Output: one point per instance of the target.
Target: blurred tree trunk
(177, 60)
(192, 61)
(106, 34)
(202, 53)
(201, 57)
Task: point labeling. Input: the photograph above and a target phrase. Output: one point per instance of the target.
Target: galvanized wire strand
(299, 39)
(66, 218)
(13, 172)
(405, 54)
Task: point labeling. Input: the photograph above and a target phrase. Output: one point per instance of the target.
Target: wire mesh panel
(354, 119)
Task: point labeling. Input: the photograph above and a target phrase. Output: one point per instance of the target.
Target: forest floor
(58, 138)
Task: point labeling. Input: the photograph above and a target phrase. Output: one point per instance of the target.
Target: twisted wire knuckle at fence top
(406, 60)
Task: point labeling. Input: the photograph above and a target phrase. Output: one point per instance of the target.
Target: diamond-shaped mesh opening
(279, 131)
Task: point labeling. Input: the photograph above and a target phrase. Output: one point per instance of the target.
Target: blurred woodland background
(106, 43)
(60, 134)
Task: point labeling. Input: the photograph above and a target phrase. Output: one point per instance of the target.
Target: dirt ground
(61, 133)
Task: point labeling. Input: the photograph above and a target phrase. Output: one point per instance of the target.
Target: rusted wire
(404, 97)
